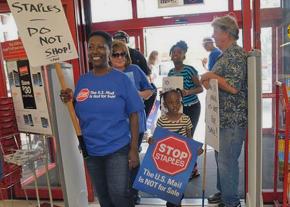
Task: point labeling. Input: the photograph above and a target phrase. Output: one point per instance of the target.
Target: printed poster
(174, 3)
(29, 99)
(44, 31)
(212, 115)
(167, 165)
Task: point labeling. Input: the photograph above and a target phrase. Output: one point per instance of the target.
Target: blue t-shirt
(187, 73)
(139, 79)
(103, 105)
(213, 56)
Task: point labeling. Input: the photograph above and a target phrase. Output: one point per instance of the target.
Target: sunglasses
(116, 55)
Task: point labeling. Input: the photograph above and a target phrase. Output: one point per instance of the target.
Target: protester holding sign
(191, 84)
(106, 103)
(120, 59)
(175, 121)
(230, 70)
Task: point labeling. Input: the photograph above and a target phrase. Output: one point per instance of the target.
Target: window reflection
(149, 8)
(104, 10)
(263, 4)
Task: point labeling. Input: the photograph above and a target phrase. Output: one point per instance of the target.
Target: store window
(104, 10)
(149, 8)
(7, 27)
(270, 3)
(8, 31)
(267, 79)
(263, 4)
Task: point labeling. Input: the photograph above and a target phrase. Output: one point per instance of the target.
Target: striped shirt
(187, 73)
(181, 126)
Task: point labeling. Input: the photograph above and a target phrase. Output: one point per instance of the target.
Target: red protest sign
(13, 50)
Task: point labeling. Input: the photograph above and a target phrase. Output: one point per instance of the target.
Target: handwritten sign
(44, 31)
(212, 115)
(167, 165)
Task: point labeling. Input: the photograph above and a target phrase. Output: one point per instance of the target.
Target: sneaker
(168, 204)
(223, 205)
(137, 199)
(215, 198)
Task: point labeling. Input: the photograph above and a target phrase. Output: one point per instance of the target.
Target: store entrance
(193, 35)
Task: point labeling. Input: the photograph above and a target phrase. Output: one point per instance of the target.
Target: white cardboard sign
(44, 31)
(212, 115)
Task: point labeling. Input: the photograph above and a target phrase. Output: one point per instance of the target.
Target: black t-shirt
(138, 59)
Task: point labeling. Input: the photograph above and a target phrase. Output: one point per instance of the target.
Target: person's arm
(198, 89)
(222, 83)
(133, 153)
(204, 62)
(188, 133)
(146, 94)
(188, 126)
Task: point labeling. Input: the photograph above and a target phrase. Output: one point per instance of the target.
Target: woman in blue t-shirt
(107, 106)
(120, 59)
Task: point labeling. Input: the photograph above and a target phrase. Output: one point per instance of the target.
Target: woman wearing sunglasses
(120, 59)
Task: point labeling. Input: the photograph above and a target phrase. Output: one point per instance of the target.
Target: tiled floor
(145, 203)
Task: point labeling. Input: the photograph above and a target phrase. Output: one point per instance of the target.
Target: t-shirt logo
(83, 95)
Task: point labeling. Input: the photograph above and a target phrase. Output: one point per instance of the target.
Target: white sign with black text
(212, 115)
(44, 31)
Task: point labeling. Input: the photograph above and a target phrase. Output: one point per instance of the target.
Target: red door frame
(3, 89)
(244, 18)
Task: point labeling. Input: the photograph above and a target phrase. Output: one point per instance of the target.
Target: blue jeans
(231, 142)
(110, 178)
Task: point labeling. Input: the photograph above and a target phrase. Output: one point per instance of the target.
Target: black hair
(121, 35)
(166, 93)
(181, 44)
(105, 35)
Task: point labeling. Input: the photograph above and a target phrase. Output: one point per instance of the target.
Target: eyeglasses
(116, 55)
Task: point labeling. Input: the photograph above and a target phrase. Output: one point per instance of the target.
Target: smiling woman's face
(98, 52)
(118, 58)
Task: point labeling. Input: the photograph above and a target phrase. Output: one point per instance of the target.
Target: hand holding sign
(46, 38)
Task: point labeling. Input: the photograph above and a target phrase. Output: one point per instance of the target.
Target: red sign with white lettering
(171, 155)
(13, 50)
